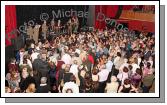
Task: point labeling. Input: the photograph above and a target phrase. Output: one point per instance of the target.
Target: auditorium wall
(117, 12)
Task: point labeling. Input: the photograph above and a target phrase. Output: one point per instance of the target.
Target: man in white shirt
(109, 64)
(34, 55)
(74, 68)
(118, 61)
(103, 75)
(66, 57)
(22, 53)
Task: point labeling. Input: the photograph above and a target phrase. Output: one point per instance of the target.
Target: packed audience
(98, 61)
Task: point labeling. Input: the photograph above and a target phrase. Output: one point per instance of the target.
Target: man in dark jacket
(42, 66)
(43, 88)
(147, 54)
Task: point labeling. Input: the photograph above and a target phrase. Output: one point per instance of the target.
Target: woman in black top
(65, 77)
(67, 74)
(126, 87)
(88, 86)
(81, 76)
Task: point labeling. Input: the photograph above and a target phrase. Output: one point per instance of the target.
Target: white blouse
(95, 77)
(112, 87)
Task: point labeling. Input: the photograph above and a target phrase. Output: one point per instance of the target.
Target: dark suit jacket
(147, 55)
(43, 89)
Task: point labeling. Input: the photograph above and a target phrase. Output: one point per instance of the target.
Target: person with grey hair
(125, 64)
(44, 87)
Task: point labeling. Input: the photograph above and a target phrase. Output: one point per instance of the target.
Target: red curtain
(102, 12)
(100, 15)
(10, 23)
(128, 7)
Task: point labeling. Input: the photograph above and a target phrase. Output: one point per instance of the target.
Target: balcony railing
(131, 15)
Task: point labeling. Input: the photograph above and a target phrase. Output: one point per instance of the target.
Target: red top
(58, 67)
(90, 58)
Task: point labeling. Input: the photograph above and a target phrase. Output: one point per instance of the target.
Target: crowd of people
(98, 61)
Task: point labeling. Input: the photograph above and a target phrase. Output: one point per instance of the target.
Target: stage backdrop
(37, 13)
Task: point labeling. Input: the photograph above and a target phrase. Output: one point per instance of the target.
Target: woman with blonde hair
(112, 87)
(13, 79)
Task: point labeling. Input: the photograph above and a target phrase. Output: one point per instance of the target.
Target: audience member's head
(75, 62)
(13, 60)
(118, 54)
(69, 91)
(125, 69)
(7, 90)
(148, 65)
(127, 81)
(43, 80)
(87, 75)
(138, 71)
(73, 78)
(113, 79)
(67, 68)
(130, 67)
(95, 71)
(31, 88)
(63, 66)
